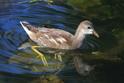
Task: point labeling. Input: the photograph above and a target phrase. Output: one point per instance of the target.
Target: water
(15, 62)
(22, 65)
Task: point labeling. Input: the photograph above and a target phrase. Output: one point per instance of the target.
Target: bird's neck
(78, 38)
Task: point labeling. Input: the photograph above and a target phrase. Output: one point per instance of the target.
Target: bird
(57, 38)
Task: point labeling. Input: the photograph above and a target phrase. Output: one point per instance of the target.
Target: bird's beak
(95, 34)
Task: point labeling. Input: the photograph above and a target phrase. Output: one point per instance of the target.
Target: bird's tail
(28, 26)
(24, 24)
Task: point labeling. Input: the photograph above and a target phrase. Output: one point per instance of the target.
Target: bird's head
(86, 27)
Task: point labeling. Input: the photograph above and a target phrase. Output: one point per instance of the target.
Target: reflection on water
(5, 7)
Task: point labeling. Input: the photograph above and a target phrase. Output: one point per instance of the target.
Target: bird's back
(48, 37)
(54, 38)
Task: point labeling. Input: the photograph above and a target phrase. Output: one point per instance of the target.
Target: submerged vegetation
(100, 9)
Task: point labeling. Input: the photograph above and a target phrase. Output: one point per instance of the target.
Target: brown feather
(57, 38)
(54, 38)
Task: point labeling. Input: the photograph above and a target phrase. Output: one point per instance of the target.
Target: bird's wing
(54, 38)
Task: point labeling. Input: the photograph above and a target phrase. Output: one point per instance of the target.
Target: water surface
(23, 65)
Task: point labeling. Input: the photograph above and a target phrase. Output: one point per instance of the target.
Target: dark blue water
(18, 64)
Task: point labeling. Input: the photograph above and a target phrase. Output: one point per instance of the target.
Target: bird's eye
(89, 27)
